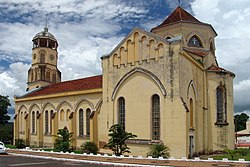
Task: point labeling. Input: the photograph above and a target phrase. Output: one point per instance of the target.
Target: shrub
(231, 153)
(89, 147)
(243, 151)
(20, 143)
(159, 150)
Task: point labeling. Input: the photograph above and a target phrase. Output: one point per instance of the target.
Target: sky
(88, 29)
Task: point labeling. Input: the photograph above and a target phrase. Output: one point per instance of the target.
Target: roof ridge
(179, 14)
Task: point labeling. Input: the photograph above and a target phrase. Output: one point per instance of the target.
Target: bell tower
(43, 69)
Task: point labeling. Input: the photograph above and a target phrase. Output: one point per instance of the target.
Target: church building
(165, 86)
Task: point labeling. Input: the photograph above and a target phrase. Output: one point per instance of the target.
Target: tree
(117, 140)
(240, 121)
(63, 139)
(4, 104)
(159, 150)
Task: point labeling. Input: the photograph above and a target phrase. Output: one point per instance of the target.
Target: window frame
(190, 44)
(122, 112)
(221, 106)
(155, 117)
(81, 122)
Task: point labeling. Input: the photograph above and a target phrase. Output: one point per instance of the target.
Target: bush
(231, 153)
(159, 150)
(89, 147)
(20, 143)
(243, 151)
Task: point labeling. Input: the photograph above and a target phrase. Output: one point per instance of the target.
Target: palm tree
(63, 139)
(159, 150)
(118, 136)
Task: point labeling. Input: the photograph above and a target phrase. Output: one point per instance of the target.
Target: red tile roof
(179, 14)
(219, 69)
(216, 68)
(68, 86)
(200, 53)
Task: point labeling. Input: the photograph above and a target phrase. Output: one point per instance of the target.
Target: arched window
(191, 111)
(194, 42)
(168, 37)
(212, 48)
(51, 114)
(62, 115)
(121, 112)
(21, 121)
(54, 77)
(46, 122)
(42, 57)
(88, 111)
(221, 104)
(155, 117)
(31, 75)
(33, 122)
(47, 75)
(67, 115)
(81, 122)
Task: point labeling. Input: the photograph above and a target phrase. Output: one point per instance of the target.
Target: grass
(238, 154)
(236, 157)
(10, 146)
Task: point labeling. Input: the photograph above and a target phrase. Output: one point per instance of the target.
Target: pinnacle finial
(179, 2)
(46, 24)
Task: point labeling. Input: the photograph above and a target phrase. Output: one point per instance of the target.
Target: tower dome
(45, 39)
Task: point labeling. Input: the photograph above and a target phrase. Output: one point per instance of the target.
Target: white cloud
(13, 81)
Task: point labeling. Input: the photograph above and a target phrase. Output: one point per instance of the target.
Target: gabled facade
(165, 86)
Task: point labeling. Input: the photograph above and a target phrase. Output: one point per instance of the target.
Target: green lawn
(236, 157)
(237, 154)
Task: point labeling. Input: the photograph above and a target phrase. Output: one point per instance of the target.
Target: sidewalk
(128, 161)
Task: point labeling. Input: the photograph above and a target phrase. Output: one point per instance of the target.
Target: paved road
(16, 161)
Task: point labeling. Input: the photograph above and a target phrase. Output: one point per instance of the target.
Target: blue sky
(88, 29)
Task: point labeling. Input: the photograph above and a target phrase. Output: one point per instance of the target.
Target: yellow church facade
(165, 86)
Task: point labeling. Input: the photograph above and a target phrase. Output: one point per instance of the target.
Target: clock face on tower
(34, 56)
(51, 57)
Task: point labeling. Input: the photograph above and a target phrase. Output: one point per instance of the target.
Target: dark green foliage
(240, 121)
(231, 153)
(63, 140)
(89, 147)
(243, 151)
(4, 104)
(159, 150)
(118, 136)
(20, 143)
(6, 133)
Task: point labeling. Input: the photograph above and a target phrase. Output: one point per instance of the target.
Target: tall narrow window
(21, 121)
(81, 122)
(121, 112)
(51, 114)
(62, 115)
(33, 122)
(54, 77)
(155, 117)
(191, 111)
(88, 111)
(221, 104)
(42, 57)
(47, 75)
(46, 122)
